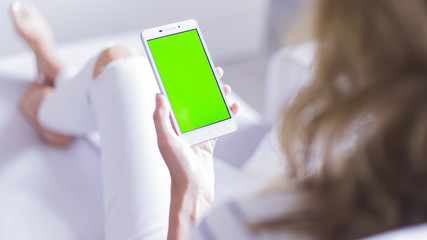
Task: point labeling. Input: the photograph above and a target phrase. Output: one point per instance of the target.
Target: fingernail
(220, 70)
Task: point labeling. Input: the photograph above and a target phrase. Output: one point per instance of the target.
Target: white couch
(48, 193)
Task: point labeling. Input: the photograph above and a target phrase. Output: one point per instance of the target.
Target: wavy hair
(370, 85)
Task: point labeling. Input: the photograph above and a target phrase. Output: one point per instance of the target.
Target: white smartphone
(186, 76)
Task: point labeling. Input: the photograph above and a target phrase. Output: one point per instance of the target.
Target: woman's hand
(191, 170)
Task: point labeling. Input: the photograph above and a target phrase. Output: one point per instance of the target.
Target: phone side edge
(156, 74)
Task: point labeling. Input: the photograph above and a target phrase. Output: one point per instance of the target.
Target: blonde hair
(371, 64)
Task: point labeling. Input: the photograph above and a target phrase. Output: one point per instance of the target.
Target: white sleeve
(232, 220)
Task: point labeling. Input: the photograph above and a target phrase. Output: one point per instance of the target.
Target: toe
(15, 9)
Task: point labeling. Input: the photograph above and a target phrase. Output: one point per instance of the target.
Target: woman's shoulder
(238, 219)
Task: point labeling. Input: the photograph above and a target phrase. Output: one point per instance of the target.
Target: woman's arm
(186, 210)
(191, 170)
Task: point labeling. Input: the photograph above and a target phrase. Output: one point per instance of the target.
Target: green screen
(188, 80)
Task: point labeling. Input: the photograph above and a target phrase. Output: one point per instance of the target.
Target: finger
(213, 142)
(162, 122)
(227, 89)
(219, 72)
(211, 145)
(235, 107)
(207, 146)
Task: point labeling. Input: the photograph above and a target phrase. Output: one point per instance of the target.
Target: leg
(30, 104)
(68, 109)
(119, 103)
(32, 27)
(136, 180)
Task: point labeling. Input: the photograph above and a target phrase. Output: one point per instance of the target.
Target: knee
(111, 54)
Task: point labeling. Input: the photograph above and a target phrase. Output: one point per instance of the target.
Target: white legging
(119, 104)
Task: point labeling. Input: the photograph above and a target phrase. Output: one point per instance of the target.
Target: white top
(233, 220)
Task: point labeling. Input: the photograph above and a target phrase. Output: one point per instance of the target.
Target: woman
(362, 124)
(362, 121)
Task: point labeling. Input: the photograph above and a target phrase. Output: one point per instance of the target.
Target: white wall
(231, 27)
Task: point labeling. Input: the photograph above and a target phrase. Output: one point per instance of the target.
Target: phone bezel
(200, 134)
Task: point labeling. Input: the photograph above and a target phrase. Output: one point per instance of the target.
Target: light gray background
(227, 25)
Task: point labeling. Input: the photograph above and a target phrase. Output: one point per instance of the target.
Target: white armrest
(289, 70)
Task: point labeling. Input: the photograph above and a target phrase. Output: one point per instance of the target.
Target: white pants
(119, 104)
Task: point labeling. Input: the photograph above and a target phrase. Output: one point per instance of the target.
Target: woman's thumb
(161, 118)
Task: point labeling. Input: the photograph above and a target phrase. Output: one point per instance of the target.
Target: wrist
(187, 209)
(181, 220)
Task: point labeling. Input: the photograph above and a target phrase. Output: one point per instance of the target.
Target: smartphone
(186, 76)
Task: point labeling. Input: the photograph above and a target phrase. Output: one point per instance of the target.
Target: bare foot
(30, 104)
(31, 26)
